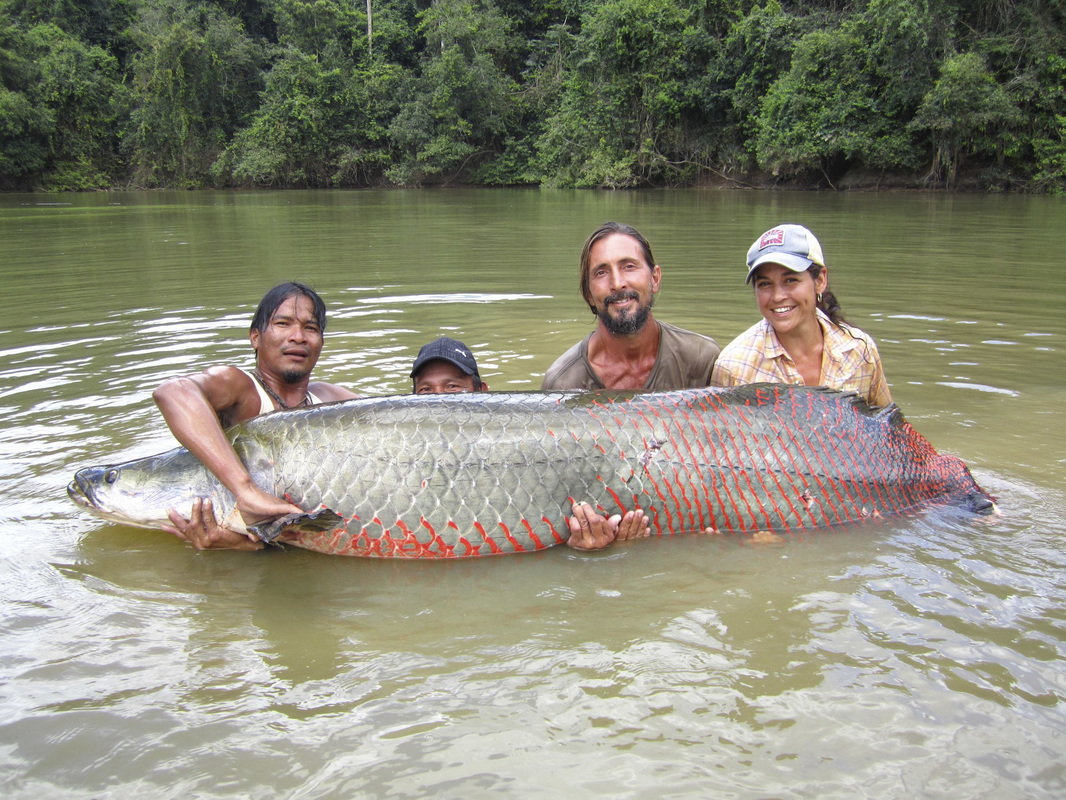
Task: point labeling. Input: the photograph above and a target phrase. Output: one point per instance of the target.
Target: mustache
(619, 297)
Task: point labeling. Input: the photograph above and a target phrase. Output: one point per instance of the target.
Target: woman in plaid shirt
(802, 337)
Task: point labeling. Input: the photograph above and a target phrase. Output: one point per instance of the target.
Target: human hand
(631, 525)
(203, 532)
(255, 506)
(589, 530)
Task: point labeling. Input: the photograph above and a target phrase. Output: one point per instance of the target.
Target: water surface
(919, 658)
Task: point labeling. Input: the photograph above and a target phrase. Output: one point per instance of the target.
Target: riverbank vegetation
(571, 93)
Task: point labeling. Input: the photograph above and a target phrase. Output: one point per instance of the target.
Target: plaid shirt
(850, 361)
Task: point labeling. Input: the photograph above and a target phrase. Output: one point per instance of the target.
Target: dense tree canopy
(587, 93)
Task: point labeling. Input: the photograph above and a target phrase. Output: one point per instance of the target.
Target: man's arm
(191, 406)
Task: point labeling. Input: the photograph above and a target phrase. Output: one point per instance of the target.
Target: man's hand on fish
(203, 532)
(592, 531)
(255, 505)
(632, 525)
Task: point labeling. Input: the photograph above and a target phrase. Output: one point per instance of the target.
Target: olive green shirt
(685, 361)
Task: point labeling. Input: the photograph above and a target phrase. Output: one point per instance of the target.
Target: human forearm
(195, 424)
(191, 413)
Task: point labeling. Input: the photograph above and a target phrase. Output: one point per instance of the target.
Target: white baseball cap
(792, 246)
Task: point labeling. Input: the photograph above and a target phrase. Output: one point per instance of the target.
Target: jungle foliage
(572, 93)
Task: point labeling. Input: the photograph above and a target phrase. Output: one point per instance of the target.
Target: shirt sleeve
(721, 376)
(879, 394)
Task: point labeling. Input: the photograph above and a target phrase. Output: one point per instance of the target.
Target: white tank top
(266, 402)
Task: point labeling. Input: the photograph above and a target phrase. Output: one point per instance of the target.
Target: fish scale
(452, 476)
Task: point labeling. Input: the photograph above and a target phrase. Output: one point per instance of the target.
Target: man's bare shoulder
(221, 379)
(224, 372)
(229, 391)
(228, 387)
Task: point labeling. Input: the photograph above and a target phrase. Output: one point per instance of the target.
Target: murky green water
(922, 658)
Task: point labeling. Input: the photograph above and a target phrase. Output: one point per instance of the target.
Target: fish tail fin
(963, 487)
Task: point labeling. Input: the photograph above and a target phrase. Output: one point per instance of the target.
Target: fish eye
(111, 475)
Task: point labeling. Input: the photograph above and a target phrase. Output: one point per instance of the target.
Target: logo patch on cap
(772, 237)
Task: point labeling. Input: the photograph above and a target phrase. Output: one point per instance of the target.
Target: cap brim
(787, 260)
(423, 361)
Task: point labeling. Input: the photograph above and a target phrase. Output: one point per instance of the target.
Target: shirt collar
(836, 341)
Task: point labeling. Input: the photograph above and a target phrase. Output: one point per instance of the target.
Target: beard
(294, 376)
(626, 323)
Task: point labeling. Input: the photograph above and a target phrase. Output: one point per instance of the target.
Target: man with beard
(629, 349)
(286, 335)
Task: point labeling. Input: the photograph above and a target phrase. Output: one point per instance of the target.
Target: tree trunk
(369, 28)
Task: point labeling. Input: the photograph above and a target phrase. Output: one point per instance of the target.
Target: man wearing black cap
(446, 366)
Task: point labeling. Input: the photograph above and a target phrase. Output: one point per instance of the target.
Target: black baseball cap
(450, 350)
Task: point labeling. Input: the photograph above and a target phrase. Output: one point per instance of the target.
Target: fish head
(139, 493)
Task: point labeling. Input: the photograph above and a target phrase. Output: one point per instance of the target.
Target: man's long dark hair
(273, 299)
(602, 232)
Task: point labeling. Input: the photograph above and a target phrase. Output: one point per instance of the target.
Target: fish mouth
(83, 494)
(80, 492)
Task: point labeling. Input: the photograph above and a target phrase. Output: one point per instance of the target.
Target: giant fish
(451, 476)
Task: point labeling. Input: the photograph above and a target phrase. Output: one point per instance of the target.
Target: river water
(917, 658)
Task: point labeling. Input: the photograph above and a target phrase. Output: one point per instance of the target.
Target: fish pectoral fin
(321, 520)
(234, 522)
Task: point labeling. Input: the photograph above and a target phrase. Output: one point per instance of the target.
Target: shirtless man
(286, 335)
(629, 349)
